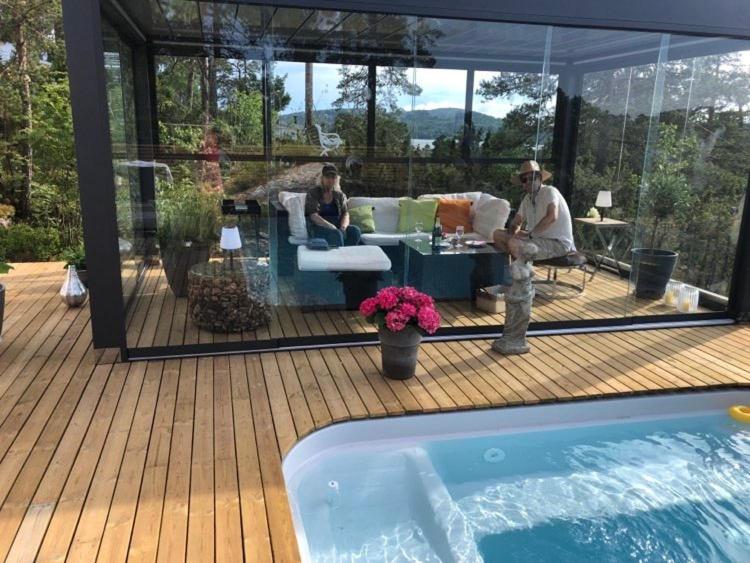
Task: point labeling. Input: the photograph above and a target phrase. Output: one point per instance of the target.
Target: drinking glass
(672, 294)
(459, 234)
(418, 226)
(687, 302)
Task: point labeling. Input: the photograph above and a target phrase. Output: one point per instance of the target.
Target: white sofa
(488, 213)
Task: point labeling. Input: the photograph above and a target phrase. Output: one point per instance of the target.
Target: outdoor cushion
(411, 211)
(294, 203)
(343, 259)
(361, 217)
(455, 212)
(385, 211)
(389, 239)
(472, 196)
(491, 214)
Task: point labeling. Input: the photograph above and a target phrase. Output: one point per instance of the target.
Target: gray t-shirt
(533, 212)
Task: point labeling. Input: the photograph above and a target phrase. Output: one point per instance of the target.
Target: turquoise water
(664, 490)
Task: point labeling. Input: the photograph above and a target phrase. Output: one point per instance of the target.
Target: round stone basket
(229, 296)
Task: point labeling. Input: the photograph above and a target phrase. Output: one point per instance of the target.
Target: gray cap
(330, 170)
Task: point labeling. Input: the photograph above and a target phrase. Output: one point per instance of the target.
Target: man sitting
(545, 213)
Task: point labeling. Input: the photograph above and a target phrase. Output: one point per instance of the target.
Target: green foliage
(186, 214)
(75, 256)
(24, 243)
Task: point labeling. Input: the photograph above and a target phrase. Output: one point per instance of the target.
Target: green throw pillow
(362, 217)
(411, 210)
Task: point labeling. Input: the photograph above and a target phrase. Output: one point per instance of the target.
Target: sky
(440, 89)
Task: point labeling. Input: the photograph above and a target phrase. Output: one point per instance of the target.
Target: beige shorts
(549, 248)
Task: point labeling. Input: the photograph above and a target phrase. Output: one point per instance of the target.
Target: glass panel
(695, 178)
(319, 109)
(252, 101)
(118, 64)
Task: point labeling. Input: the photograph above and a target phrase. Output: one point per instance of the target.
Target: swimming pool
(645, 479)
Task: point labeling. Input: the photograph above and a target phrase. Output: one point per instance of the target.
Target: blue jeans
(335, 237)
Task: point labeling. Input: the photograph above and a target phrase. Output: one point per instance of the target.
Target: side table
(609, 232)
(222, 298)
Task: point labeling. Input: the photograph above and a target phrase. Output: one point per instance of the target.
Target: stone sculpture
(518, 301)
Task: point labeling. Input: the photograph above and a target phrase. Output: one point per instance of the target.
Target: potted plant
(403, 315)
(4, 269)
(187, 221)
(664, 196)
(76, 256)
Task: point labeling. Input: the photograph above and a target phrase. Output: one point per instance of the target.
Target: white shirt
(533, 212)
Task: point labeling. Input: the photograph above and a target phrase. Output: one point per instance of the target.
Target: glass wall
(642, 134)
(118, 61)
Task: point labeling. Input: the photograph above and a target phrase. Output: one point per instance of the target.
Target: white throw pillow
(491, 214)
(294, 203)
(385, 211)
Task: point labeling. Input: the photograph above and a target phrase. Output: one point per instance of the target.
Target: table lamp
(603, 200)
(230, 241)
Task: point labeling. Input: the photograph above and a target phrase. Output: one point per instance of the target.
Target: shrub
(24, 243)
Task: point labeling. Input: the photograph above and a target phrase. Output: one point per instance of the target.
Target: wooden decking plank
(256, 539)
(140, 509)
(228, 519)
(174, 522)
(87, 494)
(281, 530)
(311, 389)
(201, 515)
(283, 419)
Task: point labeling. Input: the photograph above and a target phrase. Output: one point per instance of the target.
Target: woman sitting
(327, 211)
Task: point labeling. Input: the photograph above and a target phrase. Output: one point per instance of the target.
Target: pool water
(675, 489)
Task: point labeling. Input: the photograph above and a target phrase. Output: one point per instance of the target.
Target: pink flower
(368, 307)
(387, 297)
(416, 297)
(428, 319)
(395, 321)
(408, 310)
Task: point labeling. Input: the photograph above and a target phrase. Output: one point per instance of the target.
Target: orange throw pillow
(455, 212)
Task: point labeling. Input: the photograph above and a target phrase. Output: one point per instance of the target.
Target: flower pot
(177, 259)
(651, 271)
(399, 351)
(83, 275)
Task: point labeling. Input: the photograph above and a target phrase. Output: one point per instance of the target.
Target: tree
(26, 25)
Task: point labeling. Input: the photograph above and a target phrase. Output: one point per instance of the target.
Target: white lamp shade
(603, 199)
(230, 238)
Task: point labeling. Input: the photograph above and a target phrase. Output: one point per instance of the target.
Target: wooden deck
(159, 318)
(181, 459)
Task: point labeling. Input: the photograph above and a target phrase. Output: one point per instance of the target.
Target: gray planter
(177, 259)
(399, 351)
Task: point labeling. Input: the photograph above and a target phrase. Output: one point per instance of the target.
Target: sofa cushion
(455, 212)
(385, 211)
(361, 216)
(412, 211)
(491, 214)
(388, 239)
(294, 203)
(343, 259)
(472, 196)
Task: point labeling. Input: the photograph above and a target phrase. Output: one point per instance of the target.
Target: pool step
(445, 526)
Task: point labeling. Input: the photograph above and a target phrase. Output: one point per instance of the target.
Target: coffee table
(453, 273)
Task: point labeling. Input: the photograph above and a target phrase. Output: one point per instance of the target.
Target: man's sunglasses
(527, 177)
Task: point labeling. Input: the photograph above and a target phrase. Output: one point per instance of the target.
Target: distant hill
(425, 123)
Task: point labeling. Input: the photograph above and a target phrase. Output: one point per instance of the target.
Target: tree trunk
(27, 166)
(308, 95)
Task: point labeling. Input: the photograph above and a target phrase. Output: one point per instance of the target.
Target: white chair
(327, 141)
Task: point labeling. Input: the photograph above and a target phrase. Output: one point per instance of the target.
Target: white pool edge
(401, 431)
